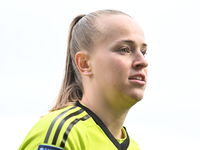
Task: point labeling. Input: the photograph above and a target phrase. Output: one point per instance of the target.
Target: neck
(112, 117)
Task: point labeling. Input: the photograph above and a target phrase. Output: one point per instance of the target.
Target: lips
(137, 78)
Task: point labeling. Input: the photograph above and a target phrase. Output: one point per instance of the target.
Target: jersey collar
(123, 146)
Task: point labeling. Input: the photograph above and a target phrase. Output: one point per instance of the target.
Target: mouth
(138, 79)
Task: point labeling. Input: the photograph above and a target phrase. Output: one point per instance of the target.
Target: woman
(106, 74)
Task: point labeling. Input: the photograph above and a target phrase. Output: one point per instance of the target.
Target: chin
(137, 97)
(133, 99)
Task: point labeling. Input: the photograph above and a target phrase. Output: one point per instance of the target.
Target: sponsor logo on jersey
(48, 147)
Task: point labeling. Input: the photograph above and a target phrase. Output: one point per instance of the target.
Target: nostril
(139, 66)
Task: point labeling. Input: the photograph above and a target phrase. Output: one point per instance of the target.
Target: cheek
(117, 64)
(111, 67)
(118, 69)
(121, 64)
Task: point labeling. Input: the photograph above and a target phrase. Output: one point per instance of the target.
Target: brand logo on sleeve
(48, 147)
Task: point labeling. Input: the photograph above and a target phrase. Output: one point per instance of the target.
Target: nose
(139, 61)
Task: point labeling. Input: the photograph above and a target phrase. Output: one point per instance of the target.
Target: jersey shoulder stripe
(53, 122)
(62, 122)
(70, 128)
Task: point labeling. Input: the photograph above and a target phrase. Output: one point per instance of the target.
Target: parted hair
(83, 33)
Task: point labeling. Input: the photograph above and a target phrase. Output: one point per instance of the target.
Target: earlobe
(82, 62)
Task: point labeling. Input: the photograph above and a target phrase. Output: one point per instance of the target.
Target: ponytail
(71, 89)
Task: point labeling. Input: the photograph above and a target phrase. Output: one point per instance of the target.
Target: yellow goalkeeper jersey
(74, 128)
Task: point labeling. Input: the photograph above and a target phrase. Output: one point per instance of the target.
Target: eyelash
(144, 52)
(125, 48)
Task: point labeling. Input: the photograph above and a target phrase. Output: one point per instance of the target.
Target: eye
(144, 52)
(125, 50)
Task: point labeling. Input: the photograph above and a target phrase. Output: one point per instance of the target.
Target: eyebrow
(130, 42)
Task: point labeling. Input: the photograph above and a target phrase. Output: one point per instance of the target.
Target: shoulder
(59, 126)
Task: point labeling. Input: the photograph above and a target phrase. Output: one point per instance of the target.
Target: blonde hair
(82, 35)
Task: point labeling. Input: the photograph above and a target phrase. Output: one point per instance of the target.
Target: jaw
(135, 94)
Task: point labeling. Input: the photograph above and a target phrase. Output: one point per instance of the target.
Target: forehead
(119, 27)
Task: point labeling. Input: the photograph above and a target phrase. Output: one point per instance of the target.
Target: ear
(82, 62)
